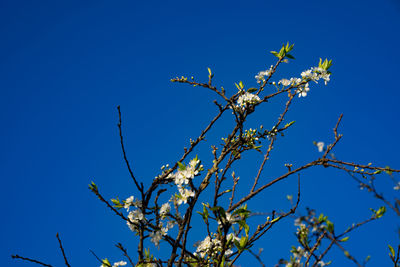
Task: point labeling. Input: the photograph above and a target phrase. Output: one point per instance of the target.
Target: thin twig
(30, 260)
(62, 250)
(124, 251)
(91, 251)
(139, 187)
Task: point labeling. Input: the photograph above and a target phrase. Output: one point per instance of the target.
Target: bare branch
(139, 187)
(62, 250)
(30, 260)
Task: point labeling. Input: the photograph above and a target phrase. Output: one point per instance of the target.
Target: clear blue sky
(66, 65)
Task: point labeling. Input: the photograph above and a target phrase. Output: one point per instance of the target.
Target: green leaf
(246, 229)
(330, 226)
(380, 212)
(238, 87)
(347, 254)
(209, 71)
(241, 85)
(344, 239)
(241, 211)
(388, 171)
(117, 203)
(222, 264)
(290, 56)
(289, 124)
(106, 262)
(93, 186)
(252, 89)
(275, 53)
(276, 219)
(367, 258)
(391, 251)
(243, 242)
(322, 218)
(181, 166)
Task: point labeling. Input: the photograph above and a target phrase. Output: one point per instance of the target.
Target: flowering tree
(165, 211)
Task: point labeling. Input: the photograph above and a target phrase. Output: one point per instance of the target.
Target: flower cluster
(292, 82)
(227, 219)
(182, 177)
(260, 77)
(156, 236)
(106, 263)
(210, 246)
(315, 74)
(162, 230)
(247, 99)
(165, 208)
(135, 216)
(298, 254)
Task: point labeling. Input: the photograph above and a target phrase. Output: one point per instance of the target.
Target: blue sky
(66, 65)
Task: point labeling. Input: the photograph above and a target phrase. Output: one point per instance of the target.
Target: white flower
(303, 90)
(134, 217)
(228, 252)
(128, 202)
(247, 99)
(180, 178)
(397, 187)
(315, 74)
(184, 195)
(232, 237)
(190, 171)
(204, 246)
(156, 237)
(229, 218)
(106, 263)
(295, 81)
(120, 263)
(260, 77)
(165, 208)
(320, 146)
(193, 163)
(308, 74)
(285, 82)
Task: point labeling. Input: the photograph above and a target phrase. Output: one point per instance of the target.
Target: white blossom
(228, 252)
(184, 195)
(285, 82)
(315, 74)
(204, 246)
(128, 202)
(134, 217)
(247, 99)
(397, 187)
(165, 208)
(303, 90)
(120, 263)
(229, 218)
(295, 81)
(232, 237)
(260, 77)
(156, 237)
(320, 146)
(182, 176)
(116, 264)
